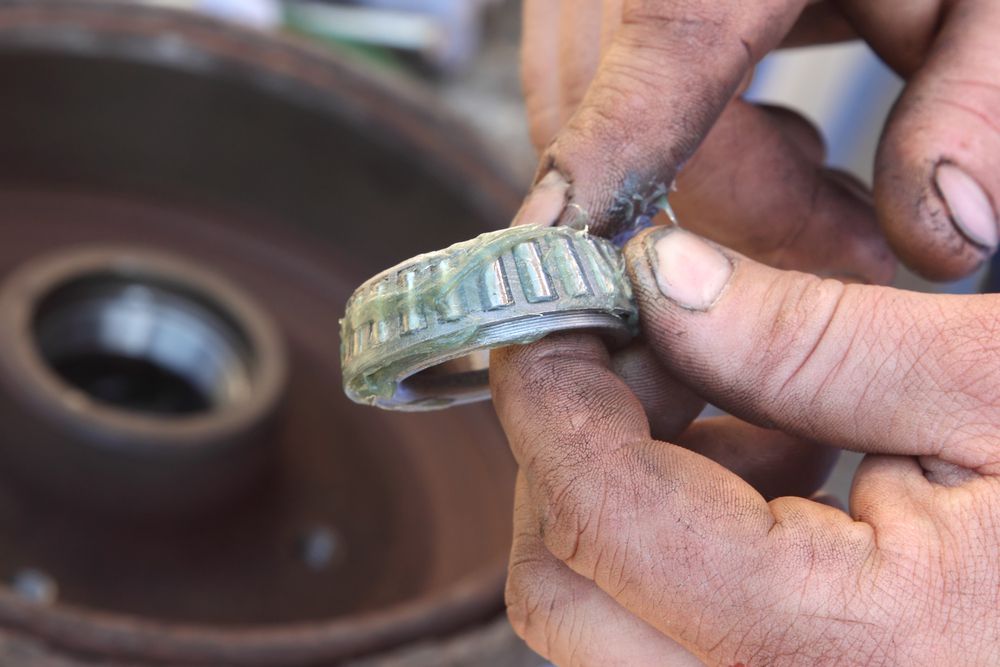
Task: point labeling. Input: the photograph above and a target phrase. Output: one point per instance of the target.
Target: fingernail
(545, 203)
(688, 270)
(968, 204)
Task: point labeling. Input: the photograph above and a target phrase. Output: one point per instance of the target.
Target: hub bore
(150, 382)
(294, 173)
(143, 346)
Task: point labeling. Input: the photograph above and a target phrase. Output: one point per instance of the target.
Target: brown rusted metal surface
(128, 370)
(294, 175)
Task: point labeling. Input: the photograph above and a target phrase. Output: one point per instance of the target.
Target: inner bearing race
(139, 374)
(144, 345)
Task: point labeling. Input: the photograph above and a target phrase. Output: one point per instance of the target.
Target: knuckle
(522, 593)
(572, 520)
(951, 371)
(880, 263)
(806, 542)
(590, 519)
(614, 114)
(974, 99)
(540, 602)
(964, 372)
(574, 496)
(627, 100)
(802, 343)
(694, 26)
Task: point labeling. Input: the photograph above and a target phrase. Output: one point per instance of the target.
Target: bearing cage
(507, 287)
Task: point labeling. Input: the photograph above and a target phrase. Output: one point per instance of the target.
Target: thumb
(873, 369)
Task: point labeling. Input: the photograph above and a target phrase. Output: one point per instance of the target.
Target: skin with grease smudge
(635, 542)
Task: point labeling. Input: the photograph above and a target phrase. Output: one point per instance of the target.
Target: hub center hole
(144, 346)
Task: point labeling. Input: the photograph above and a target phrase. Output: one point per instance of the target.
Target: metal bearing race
(414, 336)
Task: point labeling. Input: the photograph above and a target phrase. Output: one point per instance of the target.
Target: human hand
(620, 93)
(634, 551)
(756, 184)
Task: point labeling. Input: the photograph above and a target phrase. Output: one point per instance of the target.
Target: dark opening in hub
(132, 384)
(143, 346)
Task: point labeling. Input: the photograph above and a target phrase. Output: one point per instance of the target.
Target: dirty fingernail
(968, 204)
(688, 270)
(545, 202)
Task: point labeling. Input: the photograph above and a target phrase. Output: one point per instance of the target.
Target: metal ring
(414, 337)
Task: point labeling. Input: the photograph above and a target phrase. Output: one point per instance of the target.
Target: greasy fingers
(691, 550)
(757, 184)
(567, 618)
(676, 539)
(669, 406)
(937, 177)
(654, 96)
(868, 368)
(774, 463)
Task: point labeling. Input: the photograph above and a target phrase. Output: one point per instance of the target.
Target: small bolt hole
(319, 548)
(35, 586)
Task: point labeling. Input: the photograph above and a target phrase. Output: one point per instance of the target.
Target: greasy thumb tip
(681, 267)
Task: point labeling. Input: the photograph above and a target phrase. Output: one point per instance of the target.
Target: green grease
(372, 374)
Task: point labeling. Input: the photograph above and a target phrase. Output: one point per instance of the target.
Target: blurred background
(189, 192)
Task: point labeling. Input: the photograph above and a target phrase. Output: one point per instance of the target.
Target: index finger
(670, 70)
(672, 536)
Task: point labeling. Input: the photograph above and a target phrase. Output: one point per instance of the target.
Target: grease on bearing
(512, 286)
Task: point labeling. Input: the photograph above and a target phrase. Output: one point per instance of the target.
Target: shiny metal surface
(131, 369)
(121, 323)
(502, 288)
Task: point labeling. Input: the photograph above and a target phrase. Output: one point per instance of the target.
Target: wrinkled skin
(642, 538)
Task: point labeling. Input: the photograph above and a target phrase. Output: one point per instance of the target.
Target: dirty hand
(634, 551)
(620, 93)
